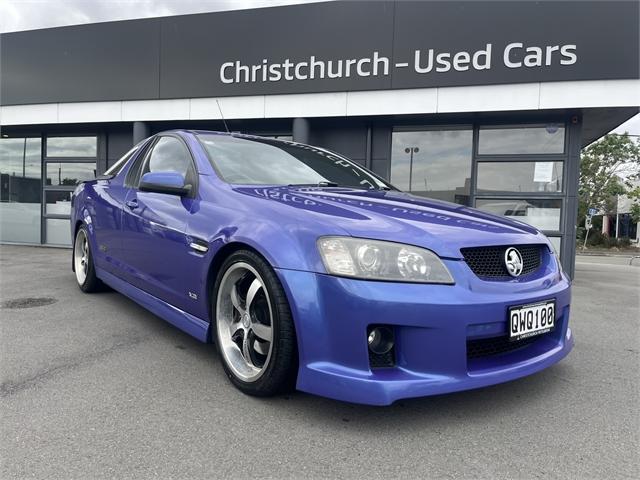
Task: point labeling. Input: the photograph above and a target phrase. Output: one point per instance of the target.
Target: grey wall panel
(605, 35)
(119, 141)
(181, 56)
(194, 47)
(340, 136)
(104, 61)
(381, 167)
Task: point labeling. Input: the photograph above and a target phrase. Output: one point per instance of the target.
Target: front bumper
(432, 324)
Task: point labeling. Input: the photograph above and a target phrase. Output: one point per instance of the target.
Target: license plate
(527, 321)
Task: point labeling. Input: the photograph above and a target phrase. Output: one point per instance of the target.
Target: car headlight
(379, 260)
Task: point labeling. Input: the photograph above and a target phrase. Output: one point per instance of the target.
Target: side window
(134, 170)
(170, 155)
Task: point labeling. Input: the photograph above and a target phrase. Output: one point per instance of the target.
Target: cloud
(18, 15)
(631, 126)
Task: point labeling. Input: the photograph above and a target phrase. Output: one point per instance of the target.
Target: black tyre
(253, 329)
(83, 263)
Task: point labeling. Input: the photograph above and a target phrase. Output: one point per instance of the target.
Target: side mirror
(164, 182)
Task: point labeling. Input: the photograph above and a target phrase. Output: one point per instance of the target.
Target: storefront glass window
(58, 203)
(557, 243)
(58, 231)
(72, 147)
(69, 174)
(519, 177)
(547, 139)
(542, 214)
(433, 163)
(20, 189)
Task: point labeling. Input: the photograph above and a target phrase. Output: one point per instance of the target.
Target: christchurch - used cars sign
(323, 47)
(514, 55)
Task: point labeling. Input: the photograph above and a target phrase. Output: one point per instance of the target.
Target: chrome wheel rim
(81, 256)
(244, 322)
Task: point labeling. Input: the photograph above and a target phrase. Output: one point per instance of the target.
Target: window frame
(97, 161)
(524, 158)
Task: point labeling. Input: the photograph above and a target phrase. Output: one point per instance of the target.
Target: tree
(607, 169)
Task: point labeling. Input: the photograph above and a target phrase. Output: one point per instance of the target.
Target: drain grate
(28, 302)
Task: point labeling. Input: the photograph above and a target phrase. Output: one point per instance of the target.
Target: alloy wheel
(244, 321)
(81, 256)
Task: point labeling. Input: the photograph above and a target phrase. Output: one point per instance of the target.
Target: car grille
(486, 347)
(488, 262)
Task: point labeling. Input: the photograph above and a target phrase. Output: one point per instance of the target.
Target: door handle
(132, 204)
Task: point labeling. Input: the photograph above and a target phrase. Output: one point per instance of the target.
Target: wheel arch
(73, 242)
(216, 262)
(212, 272)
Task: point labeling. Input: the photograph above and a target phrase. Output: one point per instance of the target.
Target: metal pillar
(141, 131)
(300, 130)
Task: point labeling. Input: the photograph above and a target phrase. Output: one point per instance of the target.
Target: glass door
(67, 162)
(20, 189)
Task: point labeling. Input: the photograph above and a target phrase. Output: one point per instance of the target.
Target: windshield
(262, 161)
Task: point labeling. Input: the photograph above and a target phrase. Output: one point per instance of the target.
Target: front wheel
(83, 262)
(255, 334)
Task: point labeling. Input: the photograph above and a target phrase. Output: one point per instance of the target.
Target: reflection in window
(72, 147)
(260, 161)
(169, 155)
(519, 177)
(542, 214)
(20, 189)
(522, 140)
(58, 231)
(69, 174)
(557, 243)
(58, 203)
(435, 163)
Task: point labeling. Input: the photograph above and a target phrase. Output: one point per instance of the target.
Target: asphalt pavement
(93, 386)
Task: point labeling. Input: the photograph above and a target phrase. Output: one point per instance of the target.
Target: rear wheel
(255, 335)
(83, 262)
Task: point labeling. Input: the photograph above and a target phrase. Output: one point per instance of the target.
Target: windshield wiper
(325, 183)
(319, 184)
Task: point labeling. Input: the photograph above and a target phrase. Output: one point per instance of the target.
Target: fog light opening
(380, 340)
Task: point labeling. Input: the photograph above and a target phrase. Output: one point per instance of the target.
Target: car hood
(396, 216)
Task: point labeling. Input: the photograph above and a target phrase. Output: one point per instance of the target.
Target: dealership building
(485, 104)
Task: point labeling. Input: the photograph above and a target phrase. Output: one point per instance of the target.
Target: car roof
(183, 131)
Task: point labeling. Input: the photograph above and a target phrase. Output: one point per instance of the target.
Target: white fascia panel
(232, 108)
(86, 112)
(306, 105)
(527, 96)
(392, 102)
(30, 114)
(591, 93)
(487, 98)
(141, 110)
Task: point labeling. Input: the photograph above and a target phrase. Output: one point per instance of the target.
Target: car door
(110, 193)
(154, 239)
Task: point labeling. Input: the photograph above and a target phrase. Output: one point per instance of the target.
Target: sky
(631, 126)
(17, 15)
